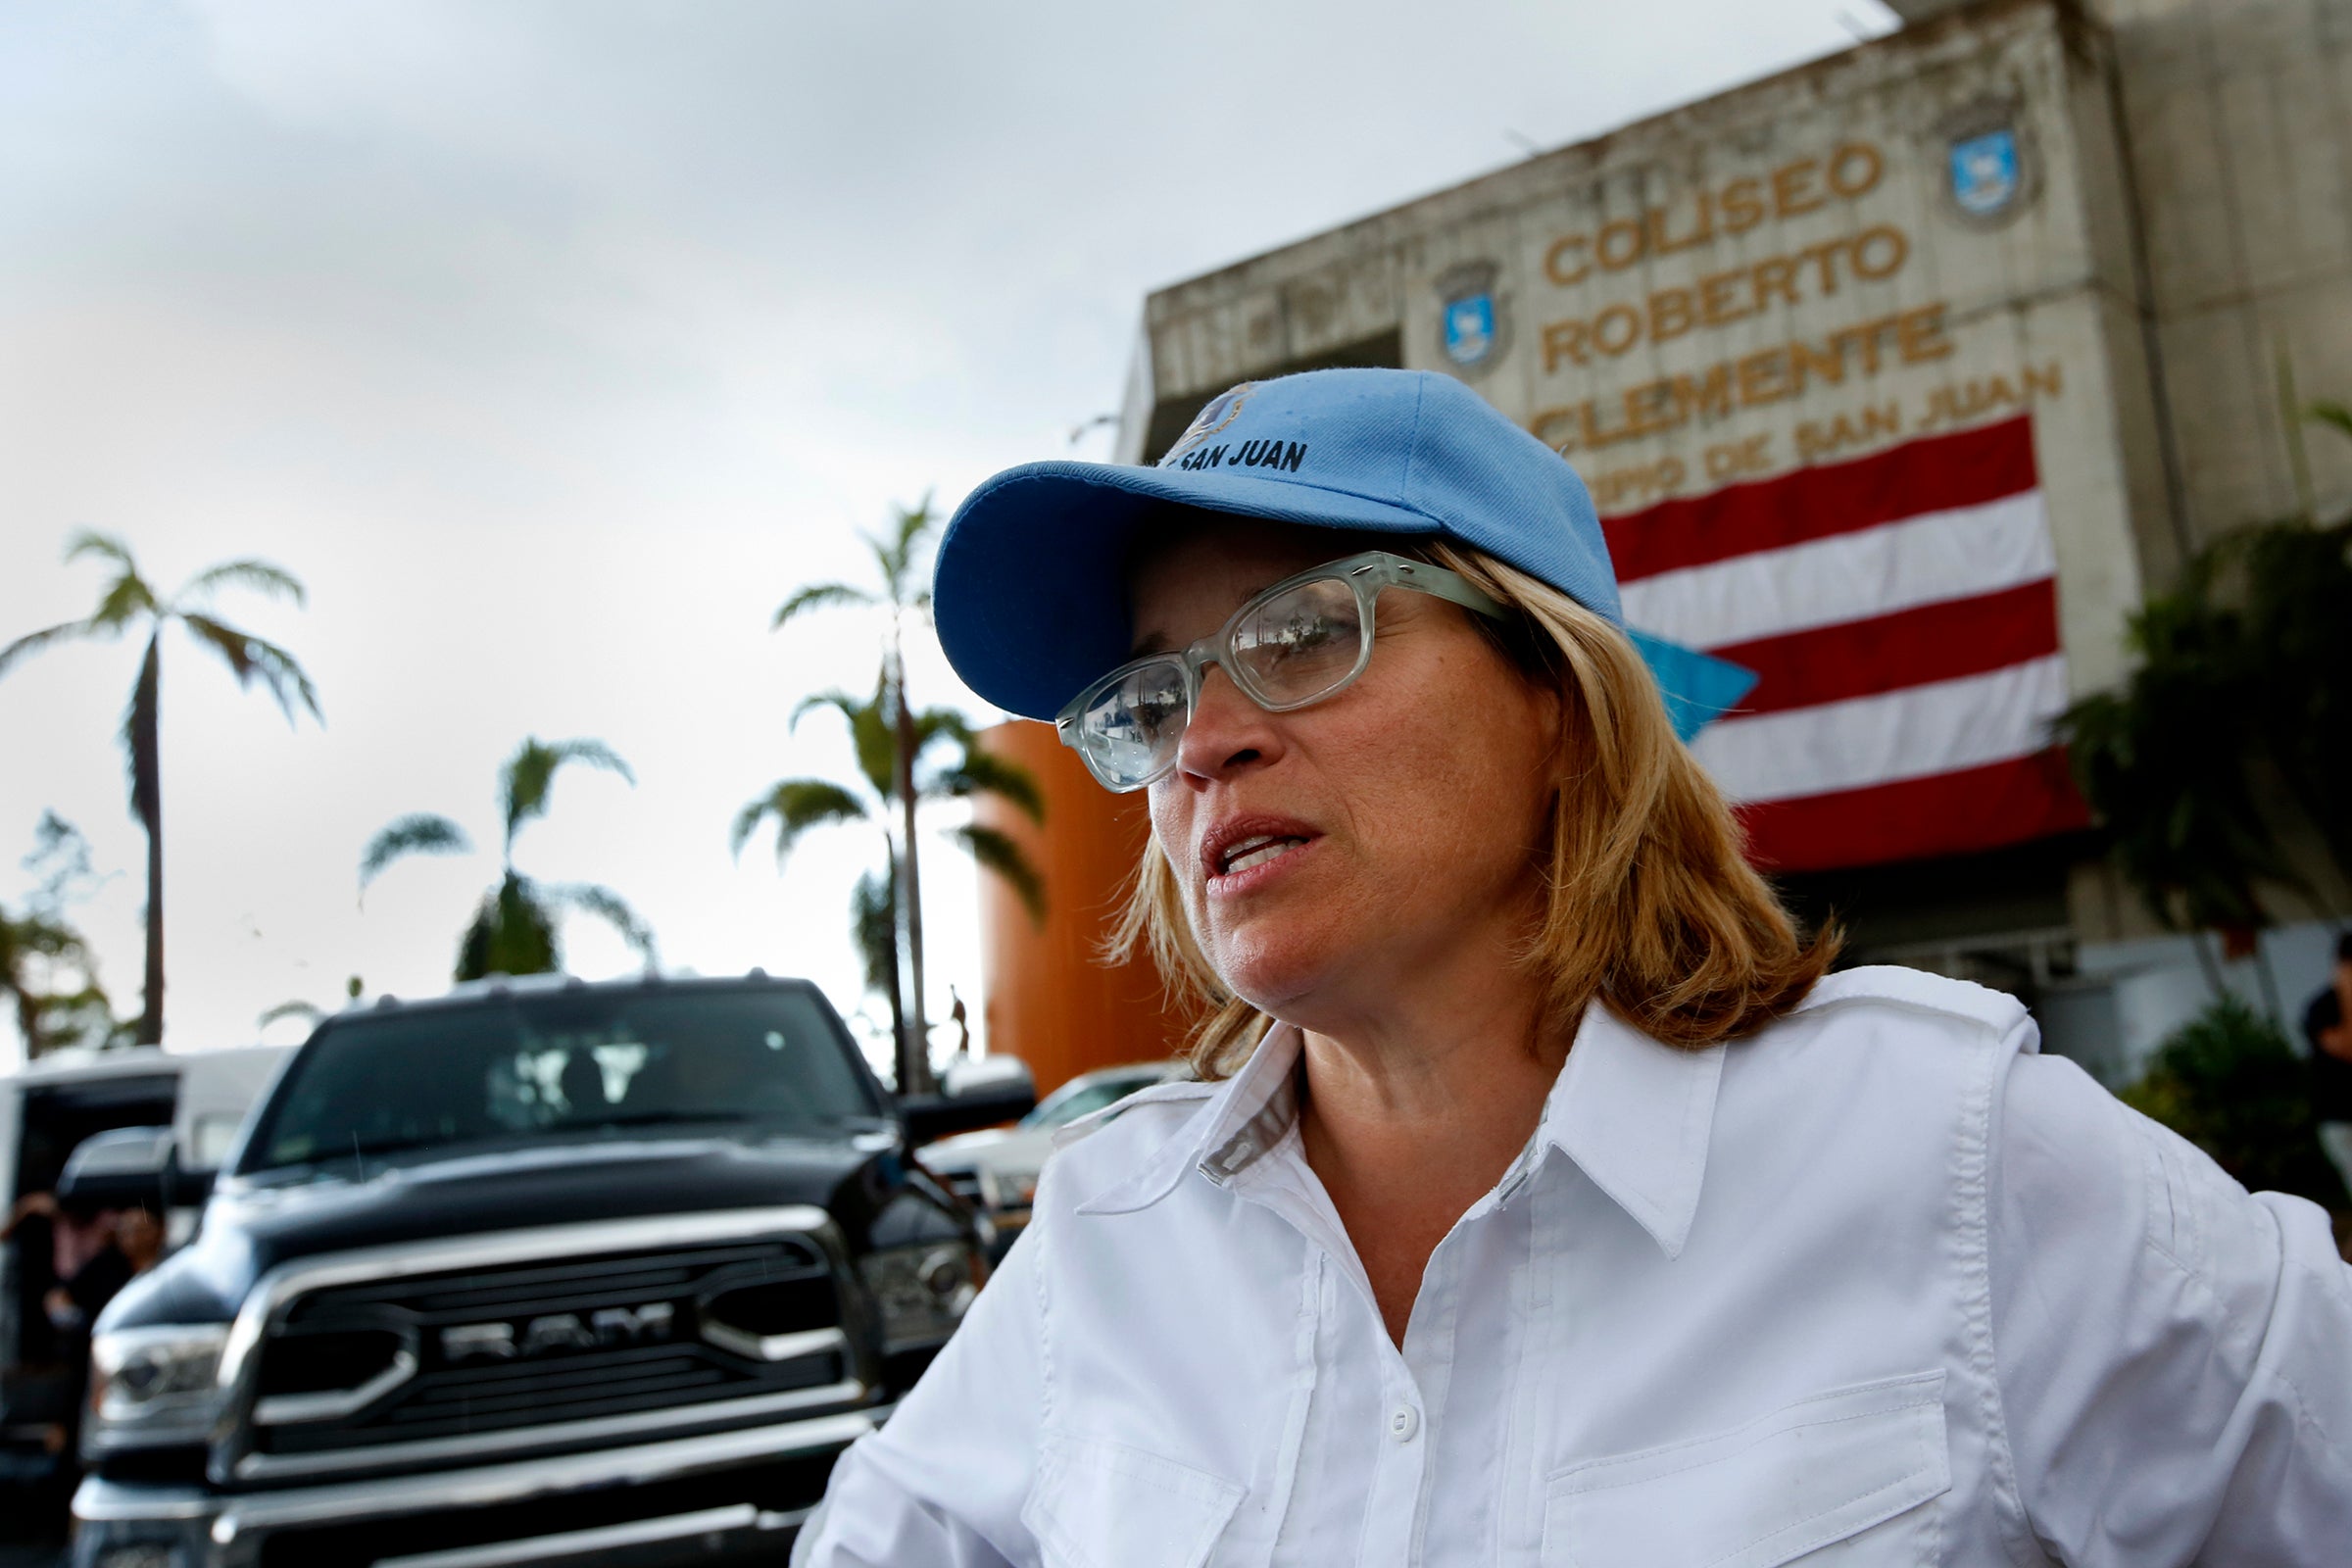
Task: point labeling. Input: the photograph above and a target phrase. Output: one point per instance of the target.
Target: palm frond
(125, 598)
(105, 546)
(419, 833)
(819, 596)
(514, 932)
(306, 1012)
(997, 851)
(839, 700)
(592, 754)
(524, 783)
(899, 554)
(796, 805)
(979, 771)
(258, 576)
(874, 929)
(249, 656)
(609, 907)
(870, 736)
(936, 724)
(933, 726)
(32, 642)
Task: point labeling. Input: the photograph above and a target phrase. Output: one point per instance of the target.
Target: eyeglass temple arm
(1430, 578)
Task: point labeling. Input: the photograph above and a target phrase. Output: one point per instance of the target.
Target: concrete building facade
(2128, 220)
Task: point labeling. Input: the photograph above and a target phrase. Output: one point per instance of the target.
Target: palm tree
(514, 930)
(2243, 683)
(131, 604)
(2163, 762)
(897, 557)
(885, 765)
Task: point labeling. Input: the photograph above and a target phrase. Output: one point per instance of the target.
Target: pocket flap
(1103, 1504)
(1814, 1472)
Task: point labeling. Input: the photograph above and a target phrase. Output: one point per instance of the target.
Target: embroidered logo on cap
(1214, 416)
(1283, 455)
(1191, 450)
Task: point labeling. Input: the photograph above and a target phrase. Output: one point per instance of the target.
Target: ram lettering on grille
(559, 1331)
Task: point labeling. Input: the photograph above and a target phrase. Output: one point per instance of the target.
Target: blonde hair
(1653, 910)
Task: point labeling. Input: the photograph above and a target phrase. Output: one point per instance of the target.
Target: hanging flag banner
(1901, 614)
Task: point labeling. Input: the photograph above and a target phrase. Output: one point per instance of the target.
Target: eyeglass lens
(1299, 644)
(1285, 651)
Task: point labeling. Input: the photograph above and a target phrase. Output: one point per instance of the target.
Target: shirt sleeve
(943, 1482)
(2173, 1353)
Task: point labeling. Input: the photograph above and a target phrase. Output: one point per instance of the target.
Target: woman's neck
(1408, 1122)
(1466, 1069)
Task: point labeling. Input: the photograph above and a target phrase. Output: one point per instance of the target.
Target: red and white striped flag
(1901, 612)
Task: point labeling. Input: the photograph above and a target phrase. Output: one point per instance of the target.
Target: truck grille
(513, 1347)
(505, 1532)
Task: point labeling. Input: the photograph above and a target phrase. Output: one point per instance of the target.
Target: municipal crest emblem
(1987, 173)
(1214, 416)
(1473, 329)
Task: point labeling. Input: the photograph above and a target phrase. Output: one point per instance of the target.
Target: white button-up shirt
(1876, 1285)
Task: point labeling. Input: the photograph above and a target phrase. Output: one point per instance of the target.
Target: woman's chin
(1277, 976)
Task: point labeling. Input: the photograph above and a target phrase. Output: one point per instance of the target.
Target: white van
(47, 1110)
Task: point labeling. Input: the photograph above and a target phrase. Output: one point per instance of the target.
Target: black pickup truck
(539, 1272)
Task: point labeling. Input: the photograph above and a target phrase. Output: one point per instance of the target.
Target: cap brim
(1030, 596)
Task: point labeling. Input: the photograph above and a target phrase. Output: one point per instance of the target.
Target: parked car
(49, 1111)
(540, 1271)
(996, 1168)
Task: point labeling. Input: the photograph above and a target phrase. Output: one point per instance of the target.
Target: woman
(1543, 1202)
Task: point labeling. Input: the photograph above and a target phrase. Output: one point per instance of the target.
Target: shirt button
(1404, 1422)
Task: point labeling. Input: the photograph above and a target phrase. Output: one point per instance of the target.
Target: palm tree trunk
(897, 1000)
(914, 1075)
(147, 799)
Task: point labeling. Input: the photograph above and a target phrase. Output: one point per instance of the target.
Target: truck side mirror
(132, 1167)
(123, 1168)
(188, 1189)
(979, 1093)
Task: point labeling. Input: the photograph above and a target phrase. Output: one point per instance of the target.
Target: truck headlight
(150, 1385)
(923, 1290)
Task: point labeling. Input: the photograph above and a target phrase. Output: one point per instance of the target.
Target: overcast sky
(552, 344)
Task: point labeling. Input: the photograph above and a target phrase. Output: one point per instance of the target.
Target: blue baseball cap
(1030, 596)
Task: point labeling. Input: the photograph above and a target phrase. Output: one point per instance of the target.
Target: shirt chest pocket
(1837, 1478)
(1101, 1504)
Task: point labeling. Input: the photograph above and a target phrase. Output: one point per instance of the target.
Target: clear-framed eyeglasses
(1303, 640)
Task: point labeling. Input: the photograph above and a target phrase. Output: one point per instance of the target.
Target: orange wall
(1050, 1001)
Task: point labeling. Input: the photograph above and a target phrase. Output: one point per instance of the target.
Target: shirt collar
(1247, 1117)
(1634, 1115)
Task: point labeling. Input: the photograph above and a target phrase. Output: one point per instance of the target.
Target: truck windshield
(566, 1065)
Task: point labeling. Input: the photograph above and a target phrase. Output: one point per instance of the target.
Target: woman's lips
(1250, 873)
(1246, 853)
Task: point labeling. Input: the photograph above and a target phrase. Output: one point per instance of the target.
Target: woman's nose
(1227, 732)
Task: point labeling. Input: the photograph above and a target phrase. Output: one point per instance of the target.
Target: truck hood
(252, 1226)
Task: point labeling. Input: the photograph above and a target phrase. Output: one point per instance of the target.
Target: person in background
(131, 1244)
(961, 1018)
(92, 1255)
(35, 1226)
(2327, 1025)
